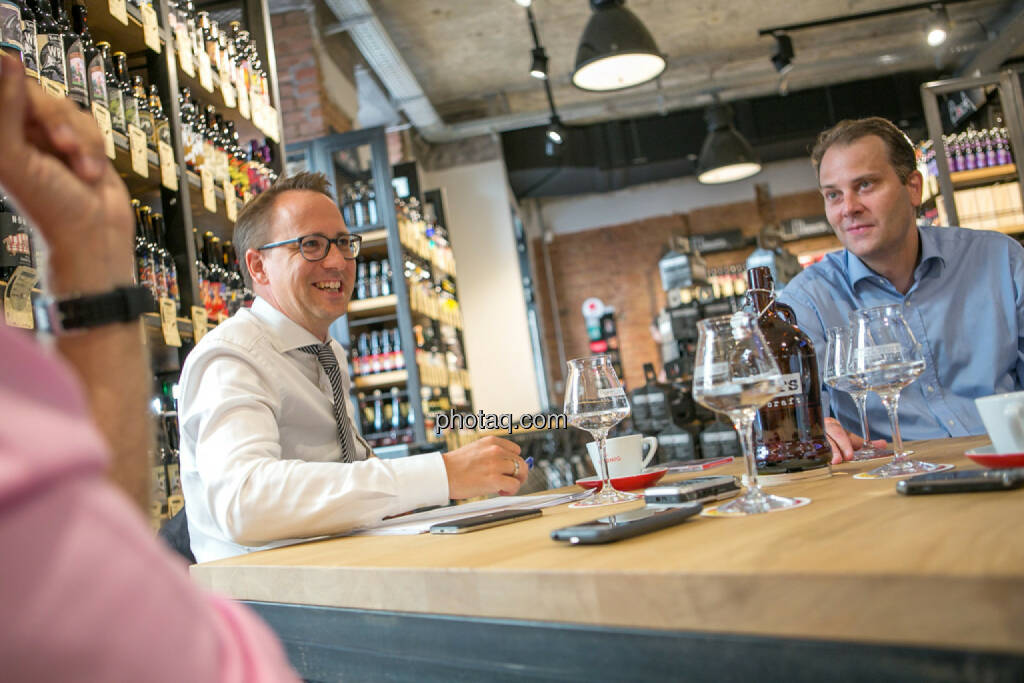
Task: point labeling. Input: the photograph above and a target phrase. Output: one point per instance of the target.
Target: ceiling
(471, 57)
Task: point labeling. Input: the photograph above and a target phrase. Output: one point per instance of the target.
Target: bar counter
(862, 584)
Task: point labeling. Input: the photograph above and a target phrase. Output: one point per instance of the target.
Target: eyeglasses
(315, 247)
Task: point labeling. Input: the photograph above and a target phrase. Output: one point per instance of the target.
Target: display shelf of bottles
(989, 174)
(362, 308)
(381, 379)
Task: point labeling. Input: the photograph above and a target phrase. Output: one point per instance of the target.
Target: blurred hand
(844, 443)
(54, 168)
(485, 467)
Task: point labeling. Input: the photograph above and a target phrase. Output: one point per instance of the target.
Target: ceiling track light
(524, 3)
(782, 55)
(555, 132)
(726, 156)
(616, 50)
(938, 26)
(539, 63)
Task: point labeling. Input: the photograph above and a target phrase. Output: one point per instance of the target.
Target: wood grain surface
(860, 563)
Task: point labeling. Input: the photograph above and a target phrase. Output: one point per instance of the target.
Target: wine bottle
(10, 28)
(29, 47)
(50, 46)
(146, 121)
(161, 126)
(115, 97)
(131, 105)
(789, 432)
(15, 244)
(95, 71)
(77, 86)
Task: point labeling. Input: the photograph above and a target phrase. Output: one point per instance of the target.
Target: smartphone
(484, 521)
(626, 524)
(696, 490)
(962, 481)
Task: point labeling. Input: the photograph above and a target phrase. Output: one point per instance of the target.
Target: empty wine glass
(595, 401)
(838, 376)
(735, 373)
(884, 358)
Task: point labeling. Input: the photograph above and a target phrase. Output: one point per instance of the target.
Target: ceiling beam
(1009, 30)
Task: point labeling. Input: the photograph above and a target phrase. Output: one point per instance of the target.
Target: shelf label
(199, 326)
(230, 201)
(169, 321)
(205, 74)
(150, 29)
(274, 131)
(209, 196)
(174, 503)
(168, 169)
(227, 91)
(243, 101)
(246, 197)
(184, 50)
(18, 298)
(118, 11)
(137, 144)
(102, 116)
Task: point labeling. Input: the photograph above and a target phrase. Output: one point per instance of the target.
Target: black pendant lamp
(616, 50)
(726, 156)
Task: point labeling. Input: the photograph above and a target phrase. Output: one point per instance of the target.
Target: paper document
(420, 522)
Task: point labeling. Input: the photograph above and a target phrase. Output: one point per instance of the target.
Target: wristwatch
(120, 305)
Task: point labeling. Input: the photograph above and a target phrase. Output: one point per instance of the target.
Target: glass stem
(862, 406)
(744, 423)
(892, 402)
(602, 437)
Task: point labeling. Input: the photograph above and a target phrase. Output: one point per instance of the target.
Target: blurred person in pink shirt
(86, 592)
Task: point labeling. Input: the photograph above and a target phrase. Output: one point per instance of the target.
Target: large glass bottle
(789, 433)
(10, 28)
(161, 126)
(131, 105)
(115, 97)
(146, 121)
(29, 47)
(15, 244)
(77, 86)
(50, 46)
(95, 69)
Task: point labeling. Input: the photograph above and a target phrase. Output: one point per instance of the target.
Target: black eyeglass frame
(354, 241)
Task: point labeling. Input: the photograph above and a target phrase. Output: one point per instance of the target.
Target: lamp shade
(726, 156)
(616, 50)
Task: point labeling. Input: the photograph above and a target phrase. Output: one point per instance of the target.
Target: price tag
(150, 29)
(227, 91)
(18, 298)
(272, 124)
(102, 116)
(169, 321)
(118, 11)
(209, 196)
(205, 74)
(230, 200)
(199, 327)
(137, 144)
(168, 170)
(246, 197)
(184, 50)
(243, 101)
(174, 503)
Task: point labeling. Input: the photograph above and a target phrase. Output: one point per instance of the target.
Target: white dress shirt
(259, 445)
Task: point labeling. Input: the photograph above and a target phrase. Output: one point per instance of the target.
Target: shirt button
(931, 388)
(950, 423)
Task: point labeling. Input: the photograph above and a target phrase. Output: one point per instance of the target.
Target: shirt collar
(285, 333)
(856, 269)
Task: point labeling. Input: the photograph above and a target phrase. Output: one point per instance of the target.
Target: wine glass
(735, 373)
(838, 376)
(884, 358)
(595, 401)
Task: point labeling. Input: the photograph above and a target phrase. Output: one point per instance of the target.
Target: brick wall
(618, 264)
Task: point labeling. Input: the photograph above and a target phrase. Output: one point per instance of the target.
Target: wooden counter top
(860, 563)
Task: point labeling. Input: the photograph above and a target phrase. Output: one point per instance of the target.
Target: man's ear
(254, 262)
(915, 186)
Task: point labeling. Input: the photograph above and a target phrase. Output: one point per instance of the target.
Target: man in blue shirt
(962, 291)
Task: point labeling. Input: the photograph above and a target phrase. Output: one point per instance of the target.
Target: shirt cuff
(422, 480)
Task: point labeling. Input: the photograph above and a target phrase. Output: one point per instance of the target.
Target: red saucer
(635, 481)
(987, 456)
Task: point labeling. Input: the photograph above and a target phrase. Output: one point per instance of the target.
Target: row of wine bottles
(378, 351)
(154, 266)
(387, 418)
(16, 247)
(221, 285)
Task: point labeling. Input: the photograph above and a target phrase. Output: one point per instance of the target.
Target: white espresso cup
(1003, 415)
(625, 455)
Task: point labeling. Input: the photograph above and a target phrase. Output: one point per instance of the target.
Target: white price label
(168, 174)
(227, 91)
(169, 321)
(18, 298)
(102, 116)
(118, 10)
(184, 48)
(150, 28)
(209, 195)
(230, 200)
(791, 385)
(274, 131)
(199, 325)
(205, 74)
(137, 145)
(243, 100)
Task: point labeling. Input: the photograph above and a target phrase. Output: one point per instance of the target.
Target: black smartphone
(962, 481)
(696, 490)
(625, 524)
(484, 521)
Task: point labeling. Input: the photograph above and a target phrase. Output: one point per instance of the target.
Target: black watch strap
(120, 305)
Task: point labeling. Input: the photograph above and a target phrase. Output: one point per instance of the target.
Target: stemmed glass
(735, 373)
(884, 358)
(595, 401)
(838, 376)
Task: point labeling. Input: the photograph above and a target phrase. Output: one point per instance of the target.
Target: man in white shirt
(264, 461)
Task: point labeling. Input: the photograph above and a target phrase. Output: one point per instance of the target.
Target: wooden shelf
(984, 175)
(374, 239)
(381, 379)
(362, 308)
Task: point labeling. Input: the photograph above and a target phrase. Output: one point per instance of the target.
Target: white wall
(498, 347)
(679, 195)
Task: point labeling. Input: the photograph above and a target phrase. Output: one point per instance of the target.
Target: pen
(529, 462)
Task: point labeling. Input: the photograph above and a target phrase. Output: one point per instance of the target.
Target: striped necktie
(329, 362)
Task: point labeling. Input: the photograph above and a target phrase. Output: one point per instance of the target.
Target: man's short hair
(252, 229)
(848, 131)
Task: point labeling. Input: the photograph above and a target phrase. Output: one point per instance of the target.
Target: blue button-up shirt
(966, 309)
